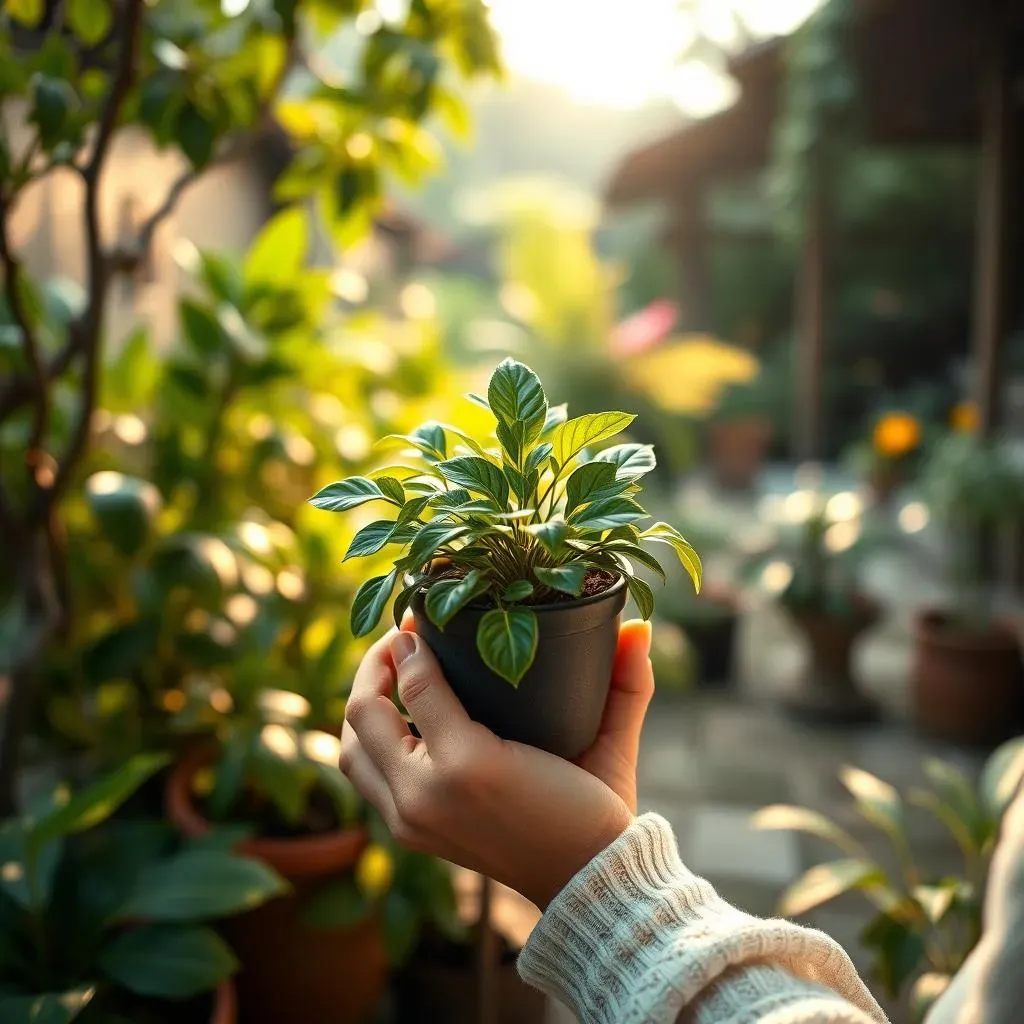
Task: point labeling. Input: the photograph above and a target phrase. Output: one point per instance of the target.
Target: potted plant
(883, 460)
(515, 557)
(966, 682)
(819, 558)
(279, 780)
(925, 927)
(105, 920)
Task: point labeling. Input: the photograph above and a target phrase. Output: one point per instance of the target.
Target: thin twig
(91, 322)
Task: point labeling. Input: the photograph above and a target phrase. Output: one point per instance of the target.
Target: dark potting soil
(257, 810)
(597, 581)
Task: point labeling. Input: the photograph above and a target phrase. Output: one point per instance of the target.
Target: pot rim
(931, 626)
(553, 606)
(311, 856)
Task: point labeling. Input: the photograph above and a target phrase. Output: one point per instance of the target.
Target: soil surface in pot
(597, 581)
(253, 808)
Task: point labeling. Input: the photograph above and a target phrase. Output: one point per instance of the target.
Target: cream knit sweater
(636, 938)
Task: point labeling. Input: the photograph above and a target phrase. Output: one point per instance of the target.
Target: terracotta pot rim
(225, 1003)
(931, 627)
(298, 857)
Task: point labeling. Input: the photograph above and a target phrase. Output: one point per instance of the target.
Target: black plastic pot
(713, 640)
(559, 702)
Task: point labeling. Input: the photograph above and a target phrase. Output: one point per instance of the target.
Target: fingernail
(403, 645)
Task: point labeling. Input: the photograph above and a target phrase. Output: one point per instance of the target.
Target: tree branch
(89, 327)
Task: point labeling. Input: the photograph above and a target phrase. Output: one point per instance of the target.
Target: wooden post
(994, 220)
(811, 318)
(487, 958)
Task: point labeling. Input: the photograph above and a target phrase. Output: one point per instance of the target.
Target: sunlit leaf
(370, 539)
(88, 19)
(662, 533)
(589, 482)
(876, 800)
(516, 397)
(801, 819)
(478, 475)
(642, 595)
(345, 494)
(507, 642)
(630, 460)
(824, 882)
(279, 250)
(571, 437)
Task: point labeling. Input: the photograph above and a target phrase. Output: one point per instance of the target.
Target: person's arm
(636, 937)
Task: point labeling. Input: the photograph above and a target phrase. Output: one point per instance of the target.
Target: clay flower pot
(289, 971)
(559, 702)
(827, 690)
(966, 686)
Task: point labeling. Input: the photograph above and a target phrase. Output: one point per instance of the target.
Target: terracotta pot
(826, 689)
(290, 972)
(966, 686)
(225, 1004)
(738, 449)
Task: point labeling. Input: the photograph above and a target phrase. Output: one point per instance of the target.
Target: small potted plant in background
(110, 920)
(515, 557)
(884, 460)
(967, 683)
(277, 782)
(817, 562)
(925, 927)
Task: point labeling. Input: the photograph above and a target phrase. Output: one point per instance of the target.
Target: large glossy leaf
(345, 494)
(369, 602)
(571, 437)
(632, 551)
(507, 642)
(477, 475)
(46, 1007)
(518, 590)
(336, 904)
(168, 961)
(371, 538)
(630, 460)
(98, 802)
(642, 595)
(430, 539)
(278, 252)
(824, 882)
(446, 598)
(802, 819)
(607, 513)
(876, 800)
(392, 489)
(566, 578)
(589, 482)
(551, 534)
(663, 533)
(515, 396)
(200, 885)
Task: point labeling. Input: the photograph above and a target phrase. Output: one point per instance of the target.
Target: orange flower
(964, 417)
(896, 435)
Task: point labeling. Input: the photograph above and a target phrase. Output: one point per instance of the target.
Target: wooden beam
(994, 219)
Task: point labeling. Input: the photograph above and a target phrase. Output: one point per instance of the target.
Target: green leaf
(370, 539)
(25, 12)
(199, 885)
(899, 951)
(801, 819)
(368, 604)
(95, 804)
(413, 509)
(642, 595)
(935, 900)
(536, 459)
(478, 475)
(662, 533)
(401, 926)
(195, 135)
(336, 905)
(824, 882)
(1001, 776)
(557, 415)
(516, 397)
(52, 100)
(507, 642)
(168, 961)
(429, 541)
(551, 534)
(345, 494)
(46, 1008)
(14, 855)
(446, 598)
(630, 460)
(278, 252)
(518, 590)
(201, 327)
(566, 578)
(471, 443)
(607, 513)
(432, 434)
(89, 20)
(589, 482)
(571, 437)
(959, 806)
(391, 489)
(403, 601)
(478, 400)
(638, 554)
(876, 800)
(421, 444)
(125, 508)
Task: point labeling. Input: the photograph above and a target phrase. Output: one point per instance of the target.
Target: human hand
(515, 813)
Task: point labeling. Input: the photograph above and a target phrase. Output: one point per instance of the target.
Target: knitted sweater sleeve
(636, 938)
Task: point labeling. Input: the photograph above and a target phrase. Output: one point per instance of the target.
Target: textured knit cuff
(636, 937)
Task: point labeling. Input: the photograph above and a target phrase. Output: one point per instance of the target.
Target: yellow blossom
(375, 870)
(896, 435)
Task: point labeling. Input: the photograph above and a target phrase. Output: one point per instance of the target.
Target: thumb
(422, 688)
